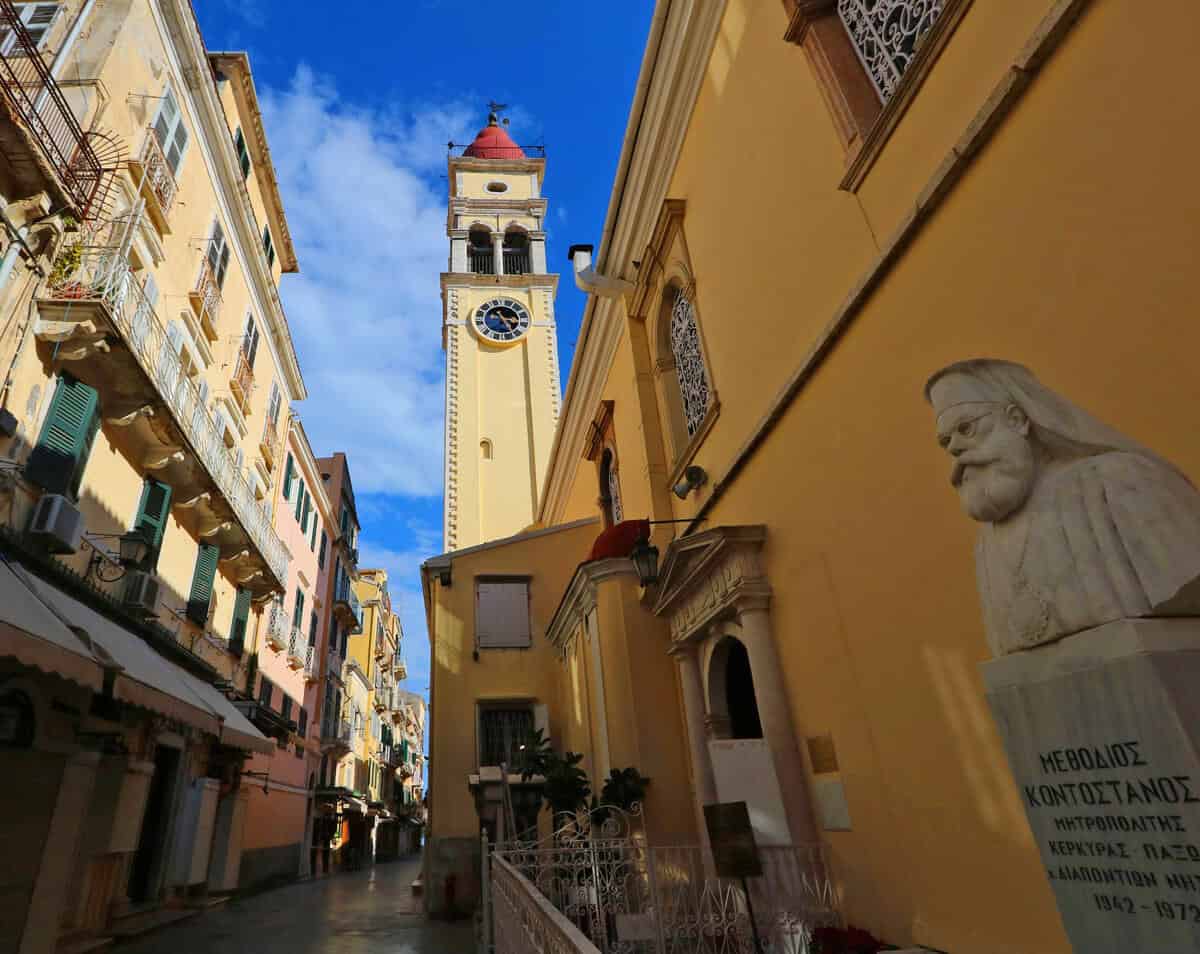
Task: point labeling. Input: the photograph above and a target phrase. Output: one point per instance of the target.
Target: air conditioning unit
(56, 524)
(141, 592)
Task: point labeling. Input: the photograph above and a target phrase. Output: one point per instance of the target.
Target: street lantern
(134, 548)
(645, 561)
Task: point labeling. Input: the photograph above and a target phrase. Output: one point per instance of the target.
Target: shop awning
(148, 680)
(31, 633)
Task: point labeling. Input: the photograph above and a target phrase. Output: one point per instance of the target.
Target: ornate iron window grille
(689, 362)
(887, 34)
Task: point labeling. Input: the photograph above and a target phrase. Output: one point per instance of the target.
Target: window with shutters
(289, 474)
(312, 629)
(503, 729)
(306, 511)
(274, 404)
(241, 618)
(171, 131)
(299, 498)
(502, 614)
(266, 692)
(285, 706)
(302, 723)
(37, 18)
(200, 597)
(153, 511)
(268, 245)
(57, 461)
(218, 253)
(250, 341)
(321, 551)
(298, 610)
(243, 154)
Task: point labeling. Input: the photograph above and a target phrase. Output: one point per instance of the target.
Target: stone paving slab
(363, 912)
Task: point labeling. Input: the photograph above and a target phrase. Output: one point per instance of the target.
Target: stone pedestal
(1102, 731)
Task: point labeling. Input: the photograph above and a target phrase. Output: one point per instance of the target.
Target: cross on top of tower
(494, 111)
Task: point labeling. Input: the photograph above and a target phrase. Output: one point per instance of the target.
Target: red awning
(619, 539)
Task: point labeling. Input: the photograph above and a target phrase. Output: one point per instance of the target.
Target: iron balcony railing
(35, 99)
(159, 177)
(481, 261)
(335, 732)
(333, 665)
(399, 668)
(296, 648)
(516, 261)
(241, 382)
(206, 296)
(310, 663)
(268, 444)
(104, 275)
(277, 625)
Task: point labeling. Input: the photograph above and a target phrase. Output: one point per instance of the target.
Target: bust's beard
(994, 491)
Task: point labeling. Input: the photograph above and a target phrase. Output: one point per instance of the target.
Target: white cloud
(367, 214)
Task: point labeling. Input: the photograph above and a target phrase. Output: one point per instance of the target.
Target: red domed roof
(494, 142)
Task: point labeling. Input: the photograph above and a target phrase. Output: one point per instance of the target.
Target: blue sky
(359, 102)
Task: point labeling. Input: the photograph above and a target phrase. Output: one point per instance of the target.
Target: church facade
(811, 216)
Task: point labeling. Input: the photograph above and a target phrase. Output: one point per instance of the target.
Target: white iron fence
(104, 274)
(626, 897)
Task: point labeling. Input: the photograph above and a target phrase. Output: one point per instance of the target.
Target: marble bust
(1080, 525)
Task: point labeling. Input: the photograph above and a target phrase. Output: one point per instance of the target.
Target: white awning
(153, 682)
(31, 633)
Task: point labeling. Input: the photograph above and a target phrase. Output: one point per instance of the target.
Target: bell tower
(502, 391)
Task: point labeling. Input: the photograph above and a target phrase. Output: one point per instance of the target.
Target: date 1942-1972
(1167, 910)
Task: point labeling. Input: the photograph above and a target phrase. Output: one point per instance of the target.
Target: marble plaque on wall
(1102, 732)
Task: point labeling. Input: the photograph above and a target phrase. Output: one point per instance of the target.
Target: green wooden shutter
(312, 630)
(298, 610)
(152, 515)
(241, 616)
(299, 500)
(307, 512)
(62, 450)
(289, 471)
(321, 552)
(202, 584)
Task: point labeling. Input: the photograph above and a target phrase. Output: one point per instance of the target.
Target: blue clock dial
(501, 319)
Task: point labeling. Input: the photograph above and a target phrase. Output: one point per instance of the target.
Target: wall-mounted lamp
(132, 550)
(692, 478)
(645, 561)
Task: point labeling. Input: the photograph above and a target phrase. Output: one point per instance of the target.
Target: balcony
(206, 299)
(346, 604)
(153, 176)
(268, 444)
(333, 666)
(297, 644)
(335, 736)
(277, 627)
(241, 382)
(43, 144)
(99, 319)
(311, 663)
(399, 668)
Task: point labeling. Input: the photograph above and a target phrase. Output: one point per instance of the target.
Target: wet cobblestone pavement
(362, 912)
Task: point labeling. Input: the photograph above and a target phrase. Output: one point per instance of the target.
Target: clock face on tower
(501, 319)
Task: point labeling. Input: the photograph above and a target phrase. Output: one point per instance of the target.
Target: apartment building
(150, 556)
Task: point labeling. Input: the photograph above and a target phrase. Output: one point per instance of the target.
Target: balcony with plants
(93, 312)
(156, 182)
(205, 297)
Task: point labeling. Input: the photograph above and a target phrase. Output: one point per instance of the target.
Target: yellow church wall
(459, 682)
(1068, 245)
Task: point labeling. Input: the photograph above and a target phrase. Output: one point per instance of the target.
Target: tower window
(516, 252)
(497, 187)
(479, 252)
(485, 449)
(610, 489)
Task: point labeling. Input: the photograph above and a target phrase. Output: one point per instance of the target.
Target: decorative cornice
(579, 599)
(803, 13)
(677, 56)
(474, 280)
(709, 575)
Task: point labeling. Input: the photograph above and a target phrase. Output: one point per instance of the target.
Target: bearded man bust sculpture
(1081, 526)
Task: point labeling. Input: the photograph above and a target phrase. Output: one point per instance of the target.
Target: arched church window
(610, 489)
(485, 449)
(689, 362)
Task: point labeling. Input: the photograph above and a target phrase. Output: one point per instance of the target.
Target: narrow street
(364, 911)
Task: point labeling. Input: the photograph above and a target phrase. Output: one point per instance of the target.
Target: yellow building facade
(799, 235)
